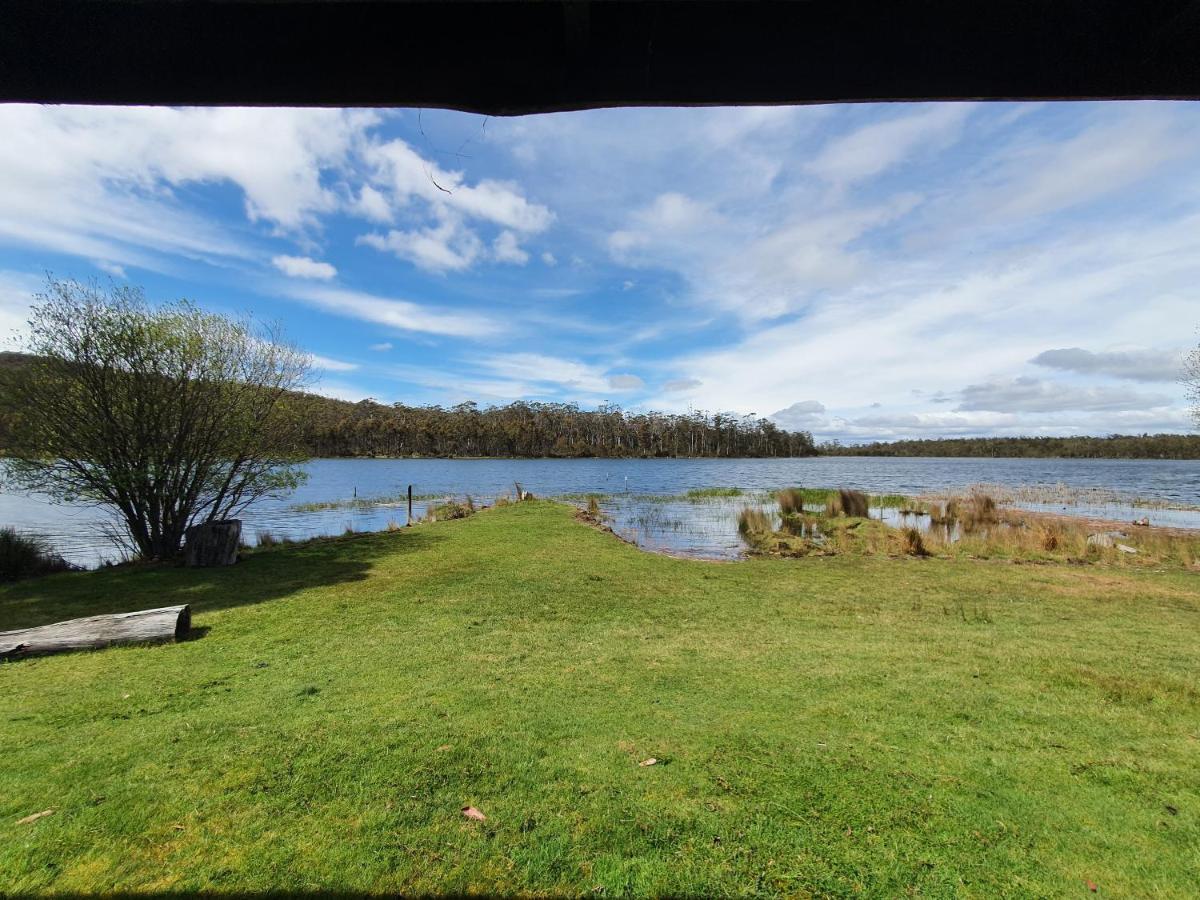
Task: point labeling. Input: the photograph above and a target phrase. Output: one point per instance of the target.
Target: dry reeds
(849, 503)
(911, 542)
(753, 524)
(791, 501)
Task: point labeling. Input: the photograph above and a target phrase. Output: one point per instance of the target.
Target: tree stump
(149, 626)
(213, 543)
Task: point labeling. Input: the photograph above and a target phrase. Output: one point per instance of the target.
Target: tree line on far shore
(368, 428)
(1114, 446)
(339, 428)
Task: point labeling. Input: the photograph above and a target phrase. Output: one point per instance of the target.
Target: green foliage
(26, 555)
(168, 415)
(834, 727)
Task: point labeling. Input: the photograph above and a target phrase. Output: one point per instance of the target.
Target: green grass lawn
(835, 726)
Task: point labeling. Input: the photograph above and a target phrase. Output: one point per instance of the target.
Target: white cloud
(540, 369)
(453, 208)
(880, 146)
(625, 383)
(548, 259)
(447, 246)
(101, 182)
(801, 416)
(671, 216)
(507, 249)
(304, 267)
(402, 315)
(331, 365)
(381, 347)
(679, 385)
(1026, 394)
(1134, 365)
(372, 205)
(110, 268)
(1107, 157)
(938, 324)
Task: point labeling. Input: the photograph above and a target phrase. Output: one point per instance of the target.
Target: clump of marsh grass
(593, 507)
(27, 555)
(754, 525)
(1049, 536)
(791, 501)
(451, 509)
(800, 525)
(845, 502)
(912, 543)
(971, 513)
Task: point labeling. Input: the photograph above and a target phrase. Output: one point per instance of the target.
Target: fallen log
(149, 626)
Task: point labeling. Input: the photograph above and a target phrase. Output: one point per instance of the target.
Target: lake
(635, 489)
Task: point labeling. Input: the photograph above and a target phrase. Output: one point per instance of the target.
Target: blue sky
(864, 272)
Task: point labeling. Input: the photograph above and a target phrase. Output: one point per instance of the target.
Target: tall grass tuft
(791, 501)
(451, 509)
(911, 542)
(753, 524)
(593, 507)
(1049, 536)
(27, 555)
(847, 503)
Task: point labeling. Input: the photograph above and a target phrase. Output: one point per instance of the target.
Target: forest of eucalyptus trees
(367, 428)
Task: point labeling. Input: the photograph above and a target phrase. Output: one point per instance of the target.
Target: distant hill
(1114, 446)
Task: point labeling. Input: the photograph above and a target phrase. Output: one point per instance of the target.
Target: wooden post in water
(409, 523)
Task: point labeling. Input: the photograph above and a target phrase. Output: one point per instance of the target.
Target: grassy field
(877, 727)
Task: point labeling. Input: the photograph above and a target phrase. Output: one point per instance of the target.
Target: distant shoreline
(848, 452)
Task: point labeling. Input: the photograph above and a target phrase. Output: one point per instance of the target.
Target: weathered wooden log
(149, 626)
(213, 543)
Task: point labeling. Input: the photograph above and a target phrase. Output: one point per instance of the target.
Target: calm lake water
(703, 529)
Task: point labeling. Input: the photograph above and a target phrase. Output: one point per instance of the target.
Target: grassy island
(833, 725)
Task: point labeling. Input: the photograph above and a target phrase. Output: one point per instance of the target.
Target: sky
(864, 272)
